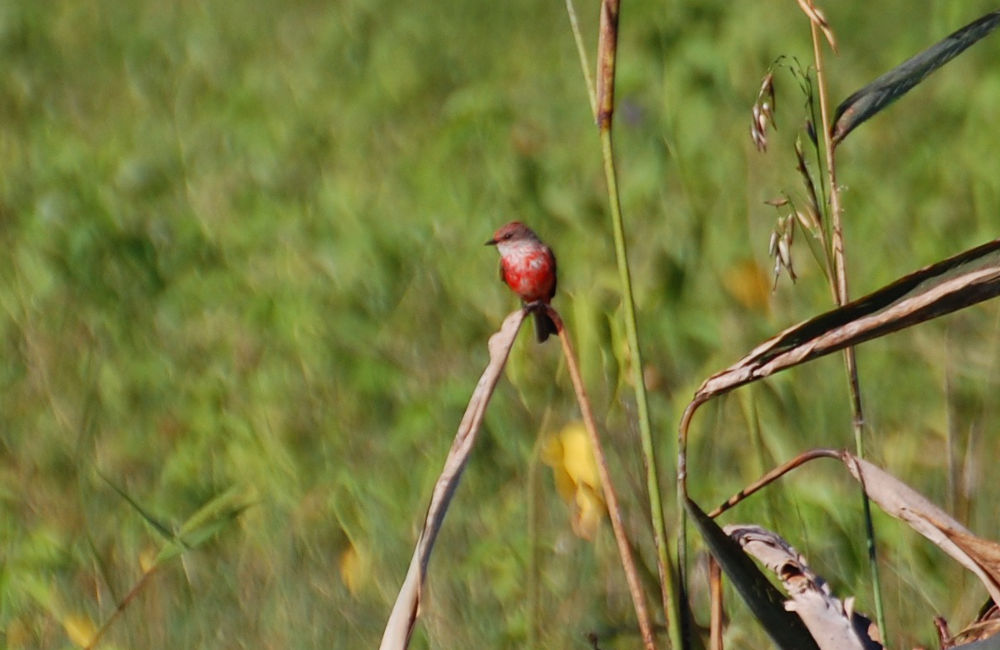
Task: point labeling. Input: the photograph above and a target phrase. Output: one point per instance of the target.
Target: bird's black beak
(491, 242)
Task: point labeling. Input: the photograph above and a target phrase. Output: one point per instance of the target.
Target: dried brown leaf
(903, 502)
(830, 621)
(949, 285)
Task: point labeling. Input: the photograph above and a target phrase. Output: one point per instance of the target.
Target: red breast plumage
(528, 267)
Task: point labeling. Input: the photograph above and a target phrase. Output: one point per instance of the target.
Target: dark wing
(555, 276)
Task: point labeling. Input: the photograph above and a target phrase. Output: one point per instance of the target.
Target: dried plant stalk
(404, 613)
(407, 607)
(610, 497)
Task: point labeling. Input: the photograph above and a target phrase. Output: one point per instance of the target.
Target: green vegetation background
(242, 253)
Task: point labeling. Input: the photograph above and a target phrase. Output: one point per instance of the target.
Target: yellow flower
(571, 458)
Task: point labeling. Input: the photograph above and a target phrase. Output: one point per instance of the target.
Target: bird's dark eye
(508, 235)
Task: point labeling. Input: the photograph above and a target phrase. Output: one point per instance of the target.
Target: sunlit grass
(243, 247)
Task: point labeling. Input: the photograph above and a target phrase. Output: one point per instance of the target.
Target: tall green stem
(606, 57)
(842, 296)
(663, 564)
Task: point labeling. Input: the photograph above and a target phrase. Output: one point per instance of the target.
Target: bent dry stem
(610, 497)
(404, 614)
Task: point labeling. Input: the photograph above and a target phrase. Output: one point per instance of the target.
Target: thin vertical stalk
(606, 58)
(610, 498)
(717, 608)
(663, 565)
(581, 51)
(841, 292)
(534, 560)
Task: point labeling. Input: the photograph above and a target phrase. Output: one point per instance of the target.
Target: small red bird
(529, 268)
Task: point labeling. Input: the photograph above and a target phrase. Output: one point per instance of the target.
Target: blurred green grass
(244, 249)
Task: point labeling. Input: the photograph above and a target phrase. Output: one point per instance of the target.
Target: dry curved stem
(772, 476)
(610, 498)
(404, 613)
(407, 607)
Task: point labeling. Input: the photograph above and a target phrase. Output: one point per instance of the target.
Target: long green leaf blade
(871, 99)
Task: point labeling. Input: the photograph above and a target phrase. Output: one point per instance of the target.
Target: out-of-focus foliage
(243, 252)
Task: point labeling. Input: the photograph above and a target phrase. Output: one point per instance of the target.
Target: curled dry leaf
(898, 499)
(831, 622)
(949, 285)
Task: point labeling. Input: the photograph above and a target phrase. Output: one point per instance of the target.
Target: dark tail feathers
(544, 325)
